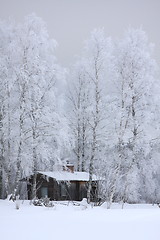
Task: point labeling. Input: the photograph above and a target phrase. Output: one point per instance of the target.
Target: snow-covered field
(134, 222)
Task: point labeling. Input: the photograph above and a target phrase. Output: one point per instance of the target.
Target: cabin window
(63, 190)
(44, 192)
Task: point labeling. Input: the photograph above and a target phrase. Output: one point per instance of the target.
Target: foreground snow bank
(135, 222)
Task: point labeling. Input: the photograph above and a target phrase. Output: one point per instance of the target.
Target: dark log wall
(43, 181)
(73, 190)
(83, 190)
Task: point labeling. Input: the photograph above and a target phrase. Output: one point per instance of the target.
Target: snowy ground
(134, 222)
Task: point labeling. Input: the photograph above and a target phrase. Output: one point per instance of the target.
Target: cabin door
(44, 192)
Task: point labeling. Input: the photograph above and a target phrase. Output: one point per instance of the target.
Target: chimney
(70, 167)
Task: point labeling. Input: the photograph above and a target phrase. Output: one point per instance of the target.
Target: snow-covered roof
(69, 176)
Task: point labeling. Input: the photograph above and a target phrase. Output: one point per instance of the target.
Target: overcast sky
(71, 21)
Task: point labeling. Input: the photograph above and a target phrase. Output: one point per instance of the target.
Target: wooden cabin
(62, 185)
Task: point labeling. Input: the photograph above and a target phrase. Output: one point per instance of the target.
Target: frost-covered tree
(34, 127)
(88, 100)
(79, 103)
(133, 77)
(96, 58)
(7, 80)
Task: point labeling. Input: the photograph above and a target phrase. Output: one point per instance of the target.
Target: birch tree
(134, 71)
(7, 79)
(34, 128)
(79, 102)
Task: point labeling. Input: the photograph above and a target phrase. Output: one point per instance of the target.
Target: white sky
(71, 21)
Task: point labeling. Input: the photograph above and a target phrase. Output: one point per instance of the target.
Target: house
(63, 185)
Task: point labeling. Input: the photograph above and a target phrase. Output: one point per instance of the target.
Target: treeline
(102, 114)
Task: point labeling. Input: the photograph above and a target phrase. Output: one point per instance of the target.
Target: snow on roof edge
(69, 176)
